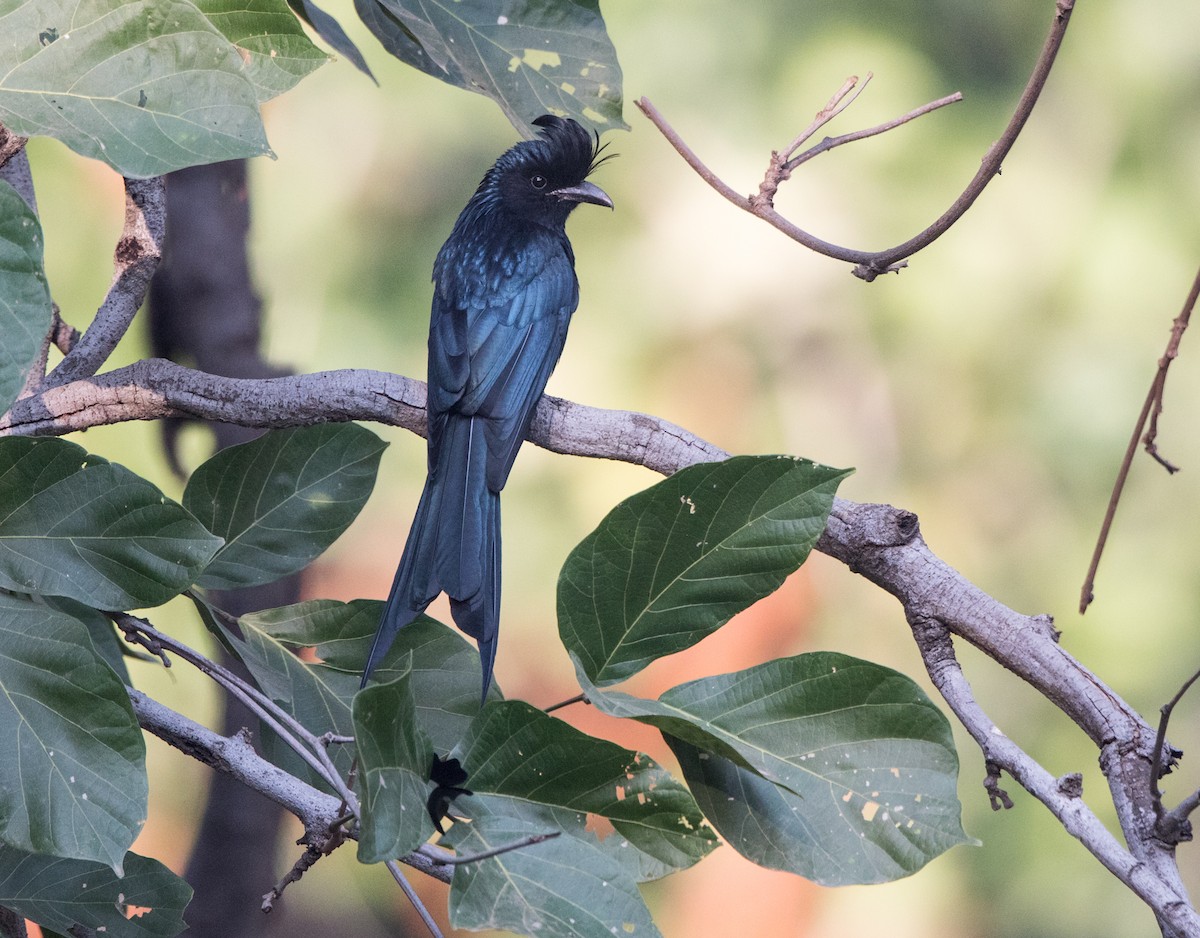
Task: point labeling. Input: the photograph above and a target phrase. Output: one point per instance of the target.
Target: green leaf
(25, 307)
(528, 765)
(834, 768)
(566, 887)
(147, 86)
(531, 57)
(445, 666)
(394, 759)
(59, 894)
(73, 778)
(265, 32)
(674, 563)
(331, 31)
(73, 524)
(280, 500)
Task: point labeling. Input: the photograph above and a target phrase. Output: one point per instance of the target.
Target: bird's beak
(584, 192)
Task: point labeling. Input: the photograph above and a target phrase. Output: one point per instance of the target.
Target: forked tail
(453, 547)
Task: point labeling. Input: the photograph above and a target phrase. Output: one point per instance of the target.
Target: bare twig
(307, 860)
(1168, 822)
(578, 698)
(461, 859)
(1147, 421)
(135, 259)
(872, 263)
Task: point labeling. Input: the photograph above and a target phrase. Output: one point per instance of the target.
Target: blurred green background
(991, 387)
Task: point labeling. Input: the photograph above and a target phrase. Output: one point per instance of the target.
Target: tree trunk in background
(204, 312)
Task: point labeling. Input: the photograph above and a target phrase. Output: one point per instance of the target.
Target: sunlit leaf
(25, 307)
(73, 524)
(270, 39)
(674, 563)
(147, 86)
(73, 778)
(828, 766)
(532, 57)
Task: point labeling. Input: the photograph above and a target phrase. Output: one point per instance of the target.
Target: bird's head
(543, 179)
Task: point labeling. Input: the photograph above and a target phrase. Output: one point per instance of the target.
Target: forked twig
(872, 263)
(1147, 421)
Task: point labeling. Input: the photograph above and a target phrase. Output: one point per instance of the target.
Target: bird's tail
(453, 547)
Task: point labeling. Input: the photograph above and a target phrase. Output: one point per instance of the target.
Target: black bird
(504, 292)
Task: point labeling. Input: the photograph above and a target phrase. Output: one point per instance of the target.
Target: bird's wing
(491, 351)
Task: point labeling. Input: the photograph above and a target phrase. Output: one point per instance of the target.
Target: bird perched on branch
(504, 292)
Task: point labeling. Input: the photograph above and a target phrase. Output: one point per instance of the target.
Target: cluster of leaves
(150, 86)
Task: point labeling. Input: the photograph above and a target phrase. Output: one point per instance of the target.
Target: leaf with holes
(530, 56)
(63, 895)
(674, 563)
(529, 765)
(824, 765)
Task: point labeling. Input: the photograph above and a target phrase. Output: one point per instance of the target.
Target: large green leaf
(25, 307)
(525, 764)
(148, 902)
(73, 776)
(73, 524)
(147, 86)
(674, 563)
(445, 666)
(394, 758)
(828, 766)
(280, 500)
(274, 45)
(531, 57)
(566, 887)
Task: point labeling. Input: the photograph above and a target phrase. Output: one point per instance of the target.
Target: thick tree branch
(154, 388)
(872, 263)
(234, 756)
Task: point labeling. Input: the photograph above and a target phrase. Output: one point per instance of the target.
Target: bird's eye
(538, 181)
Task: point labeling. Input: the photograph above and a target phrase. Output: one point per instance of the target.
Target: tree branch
(136, 258)
(872, 263)
(234, 756)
